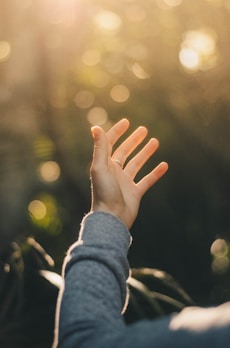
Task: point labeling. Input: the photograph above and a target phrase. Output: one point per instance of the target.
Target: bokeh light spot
(108, 20)
(43, 147)
(37, 209)
(219, 248)
(198, 50)
(120, 93)
(44, 213)
(49, 171)
(139, 72)
(220, 265)
(189, 58)
(97, 116)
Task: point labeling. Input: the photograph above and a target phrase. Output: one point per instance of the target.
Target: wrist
(117, 213)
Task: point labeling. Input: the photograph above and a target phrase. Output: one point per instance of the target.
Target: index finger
(114, 133)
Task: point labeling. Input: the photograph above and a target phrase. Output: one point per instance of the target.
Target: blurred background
(66, 65)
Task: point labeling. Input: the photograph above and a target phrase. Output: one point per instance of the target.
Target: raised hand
(113, 172)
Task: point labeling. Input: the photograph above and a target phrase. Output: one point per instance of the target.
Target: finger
(137, 162)
(151, 178)
(114, 133)
(101, 148)
(129, 145)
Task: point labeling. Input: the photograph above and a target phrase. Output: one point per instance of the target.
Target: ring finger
(137, 162)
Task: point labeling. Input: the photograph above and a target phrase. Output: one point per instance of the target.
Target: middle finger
(130, 144)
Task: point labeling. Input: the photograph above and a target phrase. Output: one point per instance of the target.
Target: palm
(114, 189)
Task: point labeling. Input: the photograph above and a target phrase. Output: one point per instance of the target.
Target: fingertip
(155, 142)
(95, 130)
(124, 119)
(144, 128)
(125, 122)
(164, 166)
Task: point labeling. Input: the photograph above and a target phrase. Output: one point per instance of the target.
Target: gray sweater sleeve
(95, 272)
(94, 295)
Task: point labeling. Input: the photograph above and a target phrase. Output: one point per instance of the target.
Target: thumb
(100, 153)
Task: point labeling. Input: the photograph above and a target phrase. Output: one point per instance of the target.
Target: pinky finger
(150, 179)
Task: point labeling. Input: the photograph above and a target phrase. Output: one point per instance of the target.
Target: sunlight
(67, 65)
(189, 58)
(108, 20)
(52, 277)
(97, 116)
(198, 50)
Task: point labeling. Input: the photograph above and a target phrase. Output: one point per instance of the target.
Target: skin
(110, 179)
(114, 191)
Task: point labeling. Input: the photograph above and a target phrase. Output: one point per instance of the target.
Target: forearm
(90, 304)
(95, 271)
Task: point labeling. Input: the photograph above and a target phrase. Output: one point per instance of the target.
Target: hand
(113, 187)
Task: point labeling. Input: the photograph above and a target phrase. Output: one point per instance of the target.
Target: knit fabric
(94, 296)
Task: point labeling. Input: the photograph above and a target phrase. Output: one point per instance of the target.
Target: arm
(96, 267)
(89, 311)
